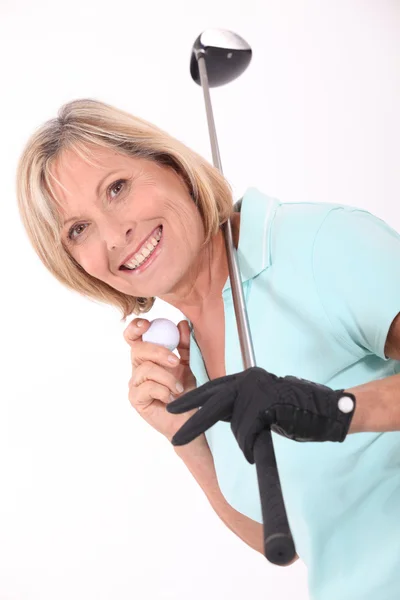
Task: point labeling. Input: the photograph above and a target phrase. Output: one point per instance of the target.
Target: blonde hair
(84, 123)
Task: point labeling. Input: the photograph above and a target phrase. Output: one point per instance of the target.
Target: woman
(121, 212)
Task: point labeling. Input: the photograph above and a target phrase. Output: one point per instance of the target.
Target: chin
(164, 288)
(164, 281)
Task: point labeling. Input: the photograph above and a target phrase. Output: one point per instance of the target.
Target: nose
(118, 235)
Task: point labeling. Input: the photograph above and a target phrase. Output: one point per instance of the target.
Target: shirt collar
(257, 212)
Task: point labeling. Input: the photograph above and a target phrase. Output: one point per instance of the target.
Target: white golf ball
(162, 332)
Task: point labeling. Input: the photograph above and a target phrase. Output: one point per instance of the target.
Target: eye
(117, 186)
(75, 231)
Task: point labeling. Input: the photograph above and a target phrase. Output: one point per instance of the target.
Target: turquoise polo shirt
(322, 287)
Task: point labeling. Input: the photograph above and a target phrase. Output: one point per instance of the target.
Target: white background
(93, 504)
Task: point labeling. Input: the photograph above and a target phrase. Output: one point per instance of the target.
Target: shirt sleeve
(356, 269)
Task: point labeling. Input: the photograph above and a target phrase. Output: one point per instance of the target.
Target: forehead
(76, 169)
(76, 174)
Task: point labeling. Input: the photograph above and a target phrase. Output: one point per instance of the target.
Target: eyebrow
(97, 192)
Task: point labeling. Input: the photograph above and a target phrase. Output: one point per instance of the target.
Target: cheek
(92, 261)
(188, 227)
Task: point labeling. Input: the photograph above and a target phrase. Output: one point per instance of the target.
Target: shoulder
(357, 233)
(296, 226)
(305, 217)
(325, 224)
(297, 230)
(265, 218)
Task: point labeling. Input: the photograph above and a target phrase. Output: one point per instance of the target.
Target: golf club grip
(279, 547)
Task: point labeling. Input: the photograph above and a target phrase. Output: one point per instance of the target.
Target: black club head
(227, 56)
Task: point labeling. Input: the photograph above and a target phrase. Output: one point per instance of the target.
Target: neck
(202, 288)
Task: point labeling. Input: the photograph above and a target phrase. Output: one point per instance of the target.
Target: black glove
(255, 399)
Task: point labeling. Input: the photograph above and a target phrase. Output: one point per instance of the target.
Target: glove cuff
(345, 409)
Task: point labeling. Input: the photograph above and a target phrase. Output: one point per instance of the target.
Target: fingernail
(173, 359)
(139, 323)
(179, 387)
(171, 398)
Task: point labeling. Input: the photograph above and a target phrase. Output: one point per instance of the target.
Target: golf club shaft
(278, 542)
(246, 343)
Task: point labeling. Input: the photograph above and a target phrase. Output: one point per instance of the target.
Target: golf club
(218, 57)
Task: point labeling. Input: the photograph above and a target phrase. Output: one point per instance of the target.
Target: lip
(139, 246)
(148, 262)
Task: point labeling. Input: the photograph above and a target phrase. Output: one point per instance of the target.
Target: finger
(146, 351)
(149, 371)
(199, 397)
(142, 397)
(218, 408)
(184, 341)
(135, 330)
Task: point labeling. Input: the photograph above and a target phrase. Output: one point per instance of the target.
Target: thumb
(184, 341)
(134, 332)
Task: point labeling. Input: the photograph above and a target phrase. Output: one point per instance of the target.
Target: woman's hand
(158, 377)
(255, 400)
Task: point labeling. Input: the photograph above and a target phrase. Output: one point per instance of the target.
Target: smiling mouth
(144, 253)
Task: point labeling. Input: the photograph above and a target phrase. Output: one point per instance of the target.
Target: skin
(109, 207)
(111, 226)
(186, 274)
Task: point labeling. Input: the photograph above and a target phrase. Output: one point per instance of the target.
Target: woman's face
(129, 222)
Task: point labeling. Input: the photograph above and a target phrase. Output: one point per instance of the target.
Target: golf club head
(227, 56)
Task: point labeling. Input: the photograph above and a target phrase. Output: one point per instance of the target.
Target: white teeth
(145, 251)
